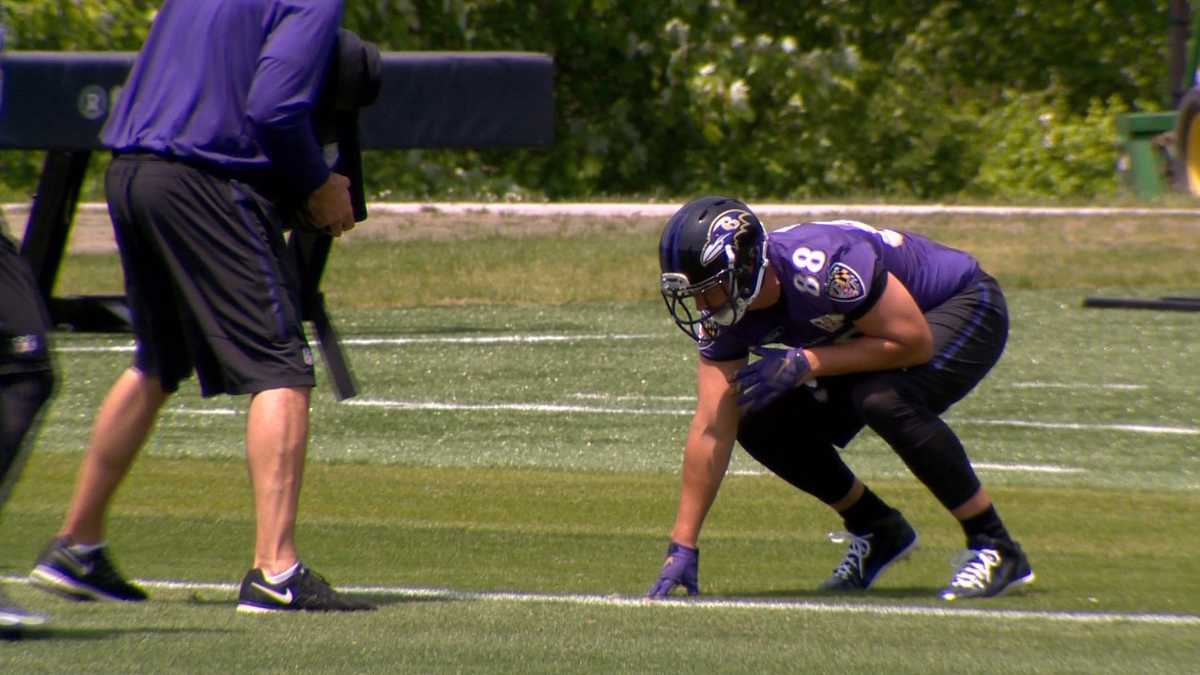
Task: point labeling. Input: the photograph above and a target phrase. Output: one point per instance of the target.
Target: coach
(217, 152)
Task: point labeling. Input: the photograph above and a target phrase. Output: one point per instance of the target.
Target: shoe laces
(859, 548)
(974, 567)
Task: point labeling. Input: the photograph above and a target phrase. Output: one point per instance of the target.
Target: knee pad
(804, 458)
(882, 403)
(919, 437)
(755, 434)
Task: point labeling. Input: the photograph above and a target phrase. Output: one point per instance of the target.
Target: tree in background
(928, 99)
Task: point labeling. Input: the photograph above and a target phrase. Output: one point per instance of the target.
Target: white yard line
(494, 339)
(415, 340)
(630, 209)
(84, 349)
(989, 466)
(1077, 385)
(559, 408)
(665, 210)
(1028, 468)
(720, 603)
(512, 407)
(630, 397)
(1077, 426)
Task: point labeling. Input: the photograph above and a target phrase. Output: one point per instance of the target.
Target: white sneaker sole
(49, 579)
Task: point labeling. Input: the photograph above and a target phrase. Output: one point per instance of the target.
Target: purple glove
(680, 569)
(777, 372)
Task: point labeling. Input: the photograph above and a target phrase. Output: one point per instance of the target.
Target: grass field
(505, 483)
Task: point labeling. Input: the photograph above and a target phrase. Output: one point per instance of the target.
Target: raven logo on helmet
(712, 254)
(723, 230)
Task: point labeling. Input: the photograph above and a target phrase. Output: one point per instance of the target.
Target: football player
(26, 382)
(875, 328)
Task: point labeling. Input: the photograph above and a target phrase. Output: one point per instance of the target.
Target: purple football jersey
(831, 273)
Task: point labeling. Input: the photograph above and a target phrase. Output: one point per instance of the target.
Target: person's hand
(681, 568)
(775, 373)
(328, 207)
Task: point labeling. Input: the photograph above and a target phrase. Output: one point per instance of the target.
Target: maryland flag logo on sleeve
(844, 284)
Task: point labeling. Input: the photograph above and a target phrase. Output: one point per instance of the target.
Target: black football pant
(797, 436)
(22, 397)
(26, 377)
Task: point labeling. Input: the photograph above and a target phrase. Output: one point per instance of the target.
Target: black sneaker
(14, 616)
(888, 540)
(83, 577)
(305, 590)
(987, 568)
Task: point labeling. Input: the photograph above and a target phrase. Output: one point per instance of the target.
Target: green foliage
(77, 25)
(929, 99)
(1037, 148)
(66, 25)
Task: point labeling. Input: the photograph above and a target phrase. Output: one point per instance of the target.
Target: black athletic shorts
(24, 323)
(208, 279)
(970, 331)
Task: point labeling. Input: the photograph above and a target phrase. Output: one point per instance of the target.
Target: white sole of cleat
(50, 580)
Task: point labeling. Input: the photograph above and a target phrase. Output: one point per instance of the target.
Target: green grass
(480, 497)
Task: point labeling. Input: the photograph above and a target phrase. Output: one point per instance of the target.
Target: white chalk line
(765, 209)
(631, 209)
(431, 405)
(560, 408)
(494, 339)
(630, 397)
(415, 340)
(1030, 468)
(989, 466)
(507, 339)
(83, 349)
(714, 603)
(445, 406)
(1076, 426)
(506, 407)
(1077, 385)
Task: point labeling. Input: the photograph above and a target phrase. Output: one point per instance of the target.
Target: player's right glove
(681, 568)
(775, 373)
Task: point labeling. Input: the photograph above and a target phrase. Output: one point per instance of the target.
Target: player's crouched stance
(880, 328)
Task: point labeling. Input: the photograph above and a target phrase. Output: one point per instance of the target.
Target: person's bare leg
(122, 424)
(276, 442)
(977, 504)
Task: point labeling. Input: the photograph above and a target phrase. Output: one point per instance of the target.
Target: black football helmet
(711, 242)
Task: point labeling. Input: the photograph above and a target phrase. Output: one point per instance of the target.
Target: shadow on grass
(46, 633)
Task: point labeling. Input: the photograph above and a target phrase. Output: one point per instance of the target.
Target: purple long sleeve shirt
(231, 84)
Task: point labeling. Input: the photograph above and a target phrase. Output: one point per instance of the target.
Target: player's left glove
(775, 373)
(681, 568)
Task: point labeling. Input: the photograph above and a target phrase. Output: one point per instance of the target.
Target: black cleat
(303, 591)
(871, 552)
(987, 568)
(83, 577)
(15, 617)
